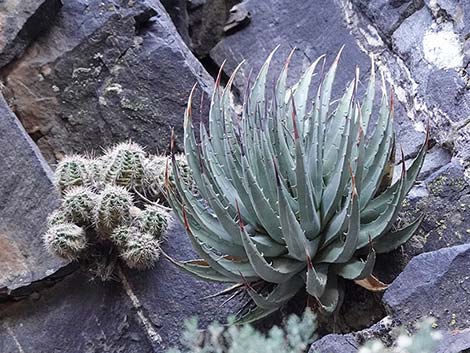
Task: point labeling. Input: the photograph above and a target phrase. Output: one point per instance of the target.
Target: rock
(26, 197)
(435, 284)
(312, 27)
(443, 198)
(21, 21)
(350, 343)
(136, 312)
(207, 22)
(335, 343)
(103, 74)
(179, 15)
(455, 342)
(388, 15)
(423, 45)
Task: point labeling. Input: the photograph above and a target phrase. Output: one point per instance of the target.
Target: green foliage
(294, 338)
(112, 208)
(78, 205)
(141, 250)
(152, 221)
(292, 195)
(66, 240)
(108, 212)
(71, 171)
(125, 165)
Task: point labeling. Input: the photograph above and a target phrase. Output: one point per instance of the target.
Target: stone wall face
(80, 75)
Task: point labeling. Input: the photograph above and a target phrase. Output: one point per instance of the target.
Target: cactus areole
(294, 194)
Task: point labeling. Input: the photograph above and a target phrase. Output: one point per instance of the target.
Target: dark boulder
(21, 21)
(26, 197)
(102, 74)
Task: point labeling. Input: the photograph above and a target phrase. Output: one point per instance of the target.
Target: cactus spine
(105, 212)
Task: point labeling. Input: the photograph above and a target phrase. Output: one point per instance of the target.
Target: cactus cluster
(295, 194)
(109, 209)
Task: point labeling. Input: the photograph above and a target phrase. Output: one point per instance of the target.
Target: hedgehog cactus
(125, 165)
(104, 195)
(141, 251)
(112, 208)
(78, 205)
(152, 220)
(289, 193)
(66, 239)
(71, 171)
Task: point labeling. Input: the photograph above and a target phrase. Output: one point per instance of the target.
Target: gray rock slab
(388, 15)
(433, 284)
(457, 341)
(314, 28)
(143, 313)
(27, 196)
(21, 21)
(106, 73)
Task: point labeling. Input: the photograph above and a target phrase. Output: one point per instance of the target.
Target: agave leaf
(372, 284)
(280, 294)
(326, 88)
(336, 127)
(385, 220)
(293, 233)
(222, 186)
(300, 93)
(268, 217)
(279, 271)
(392, 240)
(238, 184)
(309, 217)
(379, 133)
(378, 165)
(356, 269)
(378, 205)
(342, 250)
(387, 177)
(201, 269)
(216, 235)
(368, 99)
(255, 314)
(205, 235)
(212, 259)
(331, 296)
(258, 92)
(284, 157)
(316, 279)
(415, 167)
(338, 224)
(334, 190)
(190, 145)
(267, 246)
(217, 121)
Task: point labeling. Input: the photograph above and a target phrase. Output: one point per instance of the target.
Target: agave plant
(289, 193)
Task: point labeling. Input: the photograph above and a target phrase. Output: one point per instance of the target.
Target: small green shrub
(295, 337)
(112, 209)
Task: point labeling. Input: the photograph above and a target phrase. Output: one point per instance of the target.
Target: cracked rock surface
(22, 21)
(106, 71)
(26, 198)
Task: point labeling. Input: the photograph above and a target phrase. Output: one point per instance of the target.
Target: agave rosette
(291, 193)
